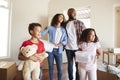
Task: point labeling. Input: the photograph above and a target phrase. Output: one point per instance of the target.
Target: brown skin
(35, 33)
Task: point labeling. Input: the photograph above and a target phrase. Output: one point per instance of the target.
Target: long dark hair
(55, 20)
(86, 33)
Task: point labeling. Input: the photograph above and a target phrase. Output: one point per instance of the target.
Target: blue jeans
(40, 77)
(70, 56)
(58, 58)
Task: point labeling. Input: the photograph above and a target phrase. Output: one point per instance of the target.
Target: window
(84, 16)
(4, 28)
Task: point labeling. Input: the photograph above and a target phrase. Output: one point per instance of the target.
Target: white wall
(27, 11)
(23, 13)
(102, 16)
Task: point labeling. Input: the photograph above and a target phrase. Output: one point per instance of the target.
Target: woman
(58, 37)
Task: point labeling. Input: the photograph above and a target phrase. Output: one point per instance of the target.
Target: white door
(117, 27)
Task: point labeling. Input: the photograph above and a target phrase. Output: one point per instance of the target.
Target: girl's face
(91, 36)
(60, 18)
(36, 32)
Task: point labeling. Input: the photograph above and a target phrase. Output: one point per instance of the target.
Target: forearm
(59, 44)
(21, 57)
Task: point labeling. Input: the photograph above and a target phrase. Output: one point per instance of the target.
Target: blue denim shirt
(51, 32)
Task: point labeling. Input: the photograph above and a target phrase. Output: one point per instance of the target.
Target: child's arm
(98, 52)
(41, 56)
(21, 57)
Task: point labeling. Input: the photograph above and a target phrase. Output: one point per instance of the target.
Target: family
(71, 36)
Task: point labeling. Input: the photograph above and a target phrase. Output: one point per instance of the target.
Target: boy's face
(36, 32)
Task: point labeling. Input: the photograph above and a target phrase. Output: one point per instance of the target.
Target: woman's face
(60, 18)
(91, 36)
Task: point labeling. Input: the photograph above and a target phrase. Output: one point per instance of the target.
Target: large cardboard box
(8, 71)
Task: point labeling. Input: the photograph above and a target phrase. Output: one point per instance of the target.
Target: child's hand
(33, 58)
(80, 49)
(40, 57)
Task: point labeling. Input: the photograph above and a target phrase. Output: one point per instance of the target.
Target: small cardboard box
(8, 71)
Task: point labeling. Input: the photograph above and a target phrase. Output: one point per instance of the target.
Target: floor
(64, 77)
(46, 74)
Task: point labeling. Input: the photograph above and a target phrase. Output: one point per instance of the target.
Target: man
(74, 29)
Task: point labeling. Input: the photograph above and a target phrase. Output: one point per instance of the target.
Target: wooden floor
(46, 74)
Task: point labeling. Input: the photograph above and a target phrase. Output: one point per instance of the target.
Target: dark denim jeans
(40, 77)
(70, 56)
(58, 58)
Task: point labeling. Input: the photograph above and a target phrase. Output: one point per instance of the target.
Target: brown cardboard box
(8, 71)
(101, 75)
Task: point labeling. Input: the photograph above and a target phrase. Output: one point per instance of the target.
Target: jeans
(58, 58)
(40, 77)
(70, 56)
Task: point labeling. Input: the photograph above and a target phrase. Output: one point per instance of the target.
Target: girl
(89, 42)
(58, 37)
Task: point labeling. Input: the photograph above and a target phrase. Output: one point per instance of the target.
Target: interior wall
(23, 13)
(101, 16)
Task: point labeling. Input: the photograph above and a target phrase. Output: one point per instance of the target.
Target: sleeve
(23, 44)
(83, 26)
(71, 32)
(64, 42)
(43, 47)
(98, 45)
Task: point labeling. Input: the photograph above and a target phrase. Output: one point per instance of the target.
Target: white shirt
(72, 37)
(89, 47)
(58, 36)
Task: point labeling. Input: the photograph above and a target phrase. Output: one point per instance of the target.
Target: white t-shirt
(89, 47)
(72, 37)
(58, 35)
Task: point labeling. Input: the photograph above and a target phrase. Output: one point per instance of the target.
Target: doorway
(117, 27)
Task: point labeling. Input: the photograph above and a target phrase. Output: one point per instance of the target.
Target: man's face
(73, 14)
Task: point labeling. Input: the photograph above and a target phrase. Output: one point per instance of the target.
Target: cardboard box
(8, 71)
(101, 75)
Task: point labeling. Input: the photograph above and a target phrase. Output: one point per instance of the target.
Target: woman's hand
(54, 44)
(59, 44)
(46, 28)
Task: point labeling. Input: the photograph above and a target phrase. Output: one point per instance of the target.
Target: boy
(34, 30)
